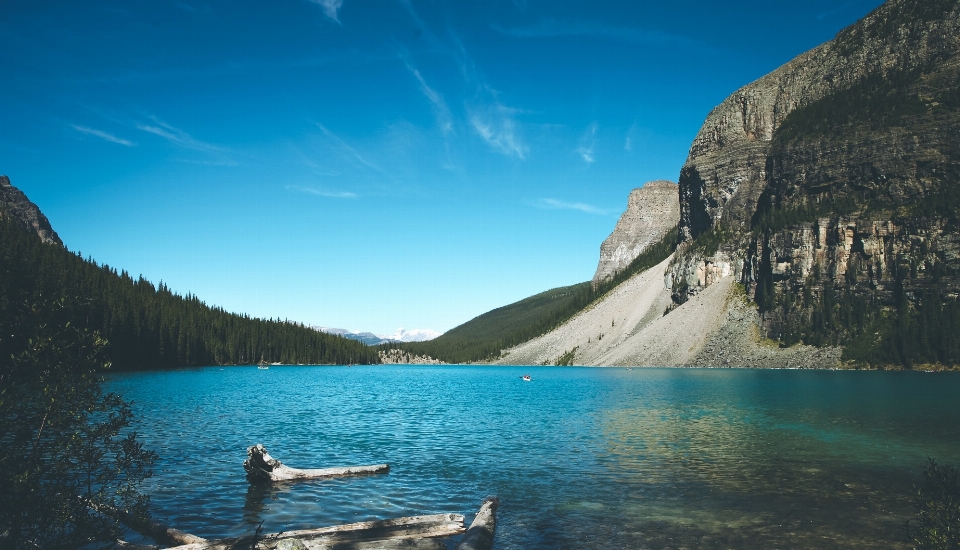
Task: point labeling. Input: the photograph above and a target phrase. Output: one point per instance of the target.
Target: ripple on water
(586, 458)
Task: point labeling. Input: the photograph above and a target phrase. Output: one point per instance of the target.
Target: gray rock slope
(14, 203)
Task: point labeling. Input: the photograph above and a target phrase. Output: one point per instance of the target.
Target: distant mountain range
(371, 339)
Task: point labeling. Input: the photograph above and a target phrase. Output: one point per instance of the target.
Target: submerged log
(387, 534)
(480, 534)
(260, 466)
(157, 531)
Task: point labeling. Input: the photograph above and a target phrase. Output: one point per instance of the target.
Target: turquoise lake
(580, 457)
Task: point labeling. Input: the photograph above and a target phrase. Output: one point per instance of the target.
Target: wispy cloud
(106, 136)
(587, 144)
(551, 28)
(497, 126)
(321, 192)
(177, 137)
(554, 204)
(330, 8)
(346, 149)
(444, 118)
(628, 141)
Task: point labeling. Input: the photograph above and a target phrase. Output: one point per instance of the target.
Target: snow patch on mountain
(413, 335)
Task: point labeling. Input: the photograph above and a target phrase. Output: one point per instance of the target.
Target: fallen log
(260, 466)
(157, 531)
(390, 533)
(480, 534)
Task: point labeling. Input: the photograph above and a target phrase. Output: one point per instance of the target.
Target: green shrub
(937, 505)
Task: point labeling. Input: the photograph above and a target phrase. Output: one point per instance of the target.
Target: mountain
(413, 335)
(652, 211)
(371, 339)
(487, 336)
(830, 189)
(819, 218)
(15, 204)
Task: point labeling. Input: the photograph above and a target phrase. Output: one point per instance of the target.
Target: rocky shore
(400, 357)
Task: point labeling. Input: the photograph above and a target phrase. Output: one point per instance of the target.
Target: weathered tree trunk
(480, 534)
(390, 533)
(260, 466)
(157, 531)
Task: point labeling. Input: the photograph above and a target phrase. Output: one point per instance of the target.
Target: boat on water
(262, 365)
(526, 378)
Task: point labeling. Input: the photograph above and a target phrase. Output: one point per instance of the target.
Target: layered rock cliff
(726, 170)
(830, 189)
(652, 211)
(14, 203)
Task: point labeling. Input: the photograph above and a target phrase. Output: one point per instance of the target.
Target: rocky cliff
(830, 189)
(15, 204)
(652, 211)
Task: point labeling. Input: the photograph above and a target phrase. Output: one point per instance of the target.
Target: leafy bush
(65, 447)
(937, 505)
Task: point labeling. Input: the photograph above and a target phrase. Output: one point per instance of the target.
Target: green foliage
(566, 359)
(879, 101)
(937, 505)
(485, 336)
(65, 447)
(708, 242)
(150, 327)
(905, 333)
(774, 219)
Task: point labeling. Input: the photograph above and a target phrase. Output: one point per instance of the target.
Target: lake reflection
(585, 458)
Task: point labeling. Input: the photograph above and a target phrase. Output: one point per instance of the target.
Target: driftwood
(390, 533)
(480, 534)
(260, 466)
(153, 529)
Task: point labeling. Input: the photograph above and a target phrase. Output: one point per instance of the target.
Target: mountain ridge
(14, 202)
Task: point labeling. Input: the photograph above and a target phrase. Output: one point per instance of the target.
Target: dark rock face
(15, 204)
(833, 183)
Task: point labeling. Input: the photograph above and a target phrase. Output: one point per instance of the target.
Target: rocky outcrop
(830, 188)
(652, 211)
(400, 357)
(15, 204)
(726, 170)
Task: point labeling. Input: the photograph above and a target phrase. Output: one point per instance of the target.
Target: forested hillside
(484, 337)
(150, 327)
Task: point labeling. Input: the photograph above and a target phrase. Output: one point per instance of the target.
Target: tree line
(148, 326)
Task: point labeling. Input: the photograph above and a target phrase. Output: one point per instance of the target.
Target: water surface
(580, 457)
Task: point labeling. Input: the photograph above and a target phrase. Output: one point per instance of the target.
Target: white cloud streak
(497, 126)
(346, 149)
(106, 136)
(444, 118)
(330, 8)
(177, 137)
(554, 204)
(321, 192)
(587, 144)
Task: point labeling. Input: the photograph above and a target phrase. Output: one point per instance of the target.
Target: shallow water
(580, 457)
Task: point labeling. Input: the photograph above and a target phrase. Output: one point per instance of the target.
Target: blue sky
(367, 164)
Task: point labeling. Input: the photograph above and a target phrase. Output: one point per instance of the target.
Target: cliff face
(652, 211)
(726, 170)
(15, 204)
(830, 188)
